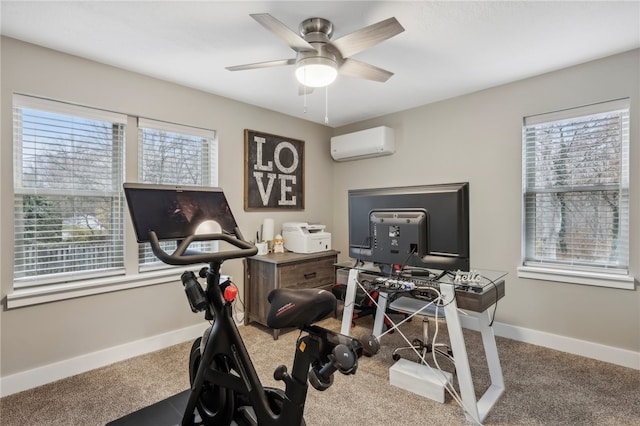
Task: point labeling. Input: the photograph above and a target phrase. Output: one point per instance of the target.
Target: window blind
(68, 205)
(576, 188)
(174, 154)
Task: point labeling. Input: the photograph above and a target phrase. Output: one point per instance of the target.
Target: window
(174, 155)
(576, 195)
(68, 204)
(69, 209)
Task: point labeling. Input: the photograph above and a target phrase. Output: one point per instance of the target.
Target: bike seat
(299, 307)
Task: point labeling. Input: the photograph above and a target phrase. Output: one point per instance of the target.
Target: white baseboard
(618, 356)
(49, 373)
(67, 368)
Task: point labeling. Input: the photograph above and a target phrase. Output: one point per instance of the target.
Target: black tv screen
(446, 230)
(176, 212)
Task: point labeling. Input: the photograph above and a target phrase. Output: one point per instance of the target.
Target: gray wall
(473, 138)
(44, 334)
(477, 138)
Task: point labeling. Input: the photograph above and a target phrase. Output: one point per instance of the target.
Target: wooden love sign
(274, 172)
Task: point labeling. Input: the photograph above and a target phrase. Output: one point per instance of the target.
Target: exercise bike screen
(176, 212)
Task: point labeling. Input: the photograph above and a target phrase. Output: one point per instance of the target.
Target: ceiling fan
(319, 59)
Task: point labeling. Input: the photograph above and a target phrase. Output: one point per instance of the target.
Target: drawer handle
(309, 275)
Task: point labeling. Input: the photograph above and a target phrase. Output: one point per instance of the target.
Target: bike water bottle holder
(195, 293)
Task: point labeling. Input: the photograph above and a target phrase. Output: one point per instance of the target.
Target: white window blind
(174, 154)
(576, 189)
(68, 205)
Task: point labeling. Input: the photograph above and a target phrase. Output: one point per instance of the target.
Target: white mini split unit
(368, 143)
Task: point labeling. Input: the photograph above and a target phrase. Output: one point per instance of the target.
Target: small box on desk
(419, 379)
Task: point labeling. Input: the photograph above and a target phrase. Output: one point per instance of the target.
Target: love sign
(274, 172)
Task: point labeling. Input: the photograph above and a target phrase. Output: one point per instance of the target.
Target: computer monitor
(444, 231)
(176, 212)
(398, 235)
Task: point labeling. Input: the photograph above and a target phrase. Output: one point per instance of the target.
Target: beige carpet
(543, 387)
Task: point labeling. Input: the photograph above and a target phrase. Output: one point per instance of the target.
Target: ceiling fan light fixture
(316, 71)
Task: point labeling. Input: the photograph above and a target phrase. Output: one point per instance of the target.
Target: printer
(301, 237)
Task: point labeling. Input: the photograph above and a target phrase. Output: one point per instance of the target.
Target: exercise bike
(225, 388)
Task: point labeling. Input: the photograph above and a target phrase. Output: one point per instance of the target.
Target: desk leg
(378, 323)
(349, 301)
(496, 389)
(475, 410)
(459, 349)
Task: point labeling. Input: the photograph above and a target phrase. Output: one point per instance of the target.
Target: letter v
(264, 195)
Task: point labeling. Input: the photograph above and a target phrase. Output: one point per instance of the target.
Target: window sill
(612, 280)
(56, 292)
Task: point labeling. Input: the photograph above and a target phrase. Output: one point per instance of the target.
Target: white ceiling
(449, 48)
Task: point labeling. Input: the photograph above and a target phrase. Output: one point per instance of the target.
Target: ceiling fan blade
(366, 37)
(286, 34)
(352, 68)
(267, 64)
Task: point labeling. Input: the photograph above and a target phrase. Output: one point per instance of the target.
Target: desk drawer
(310, 274)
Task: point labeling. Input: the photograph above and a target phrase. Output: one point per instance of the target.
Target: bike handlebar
(181, 256)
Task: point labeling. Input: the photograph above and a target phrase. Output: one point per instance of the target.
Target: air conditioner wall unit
(374, 142)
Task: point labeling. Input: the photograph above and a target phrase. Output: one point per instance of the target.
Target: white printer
(300, 237)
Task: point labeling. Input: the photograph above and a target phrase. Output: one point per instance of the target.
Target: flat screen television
(435, 236)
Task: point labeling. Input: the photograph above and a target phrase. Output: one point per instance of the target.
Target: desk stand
(475, 410)
(349, 301)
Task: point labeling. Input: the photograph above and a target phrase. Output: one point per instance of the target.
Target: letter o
(276, 157)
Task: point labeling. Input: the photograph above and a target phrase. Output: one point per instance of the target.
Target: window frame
(602, 276)
(131, 275)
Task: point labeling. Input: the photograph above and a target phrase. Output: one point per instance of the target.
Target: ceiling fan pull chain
(326, 105)
(304, 88)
